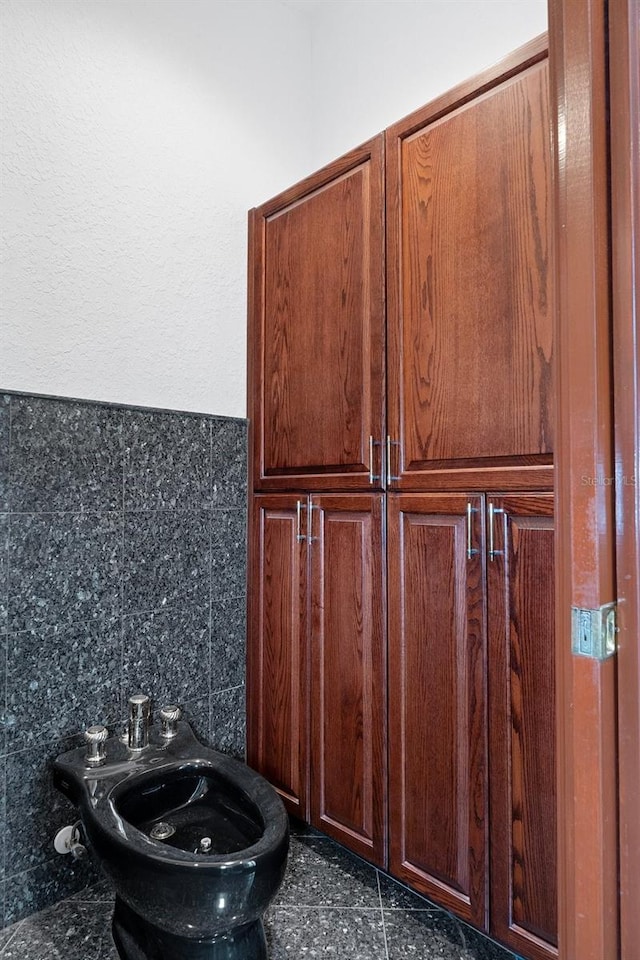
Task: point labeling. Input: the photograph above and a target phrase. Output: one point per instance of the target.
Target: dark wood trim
(624, 75)
(307, 186)
(537, 477)
(255, 298)
(316, 482)
(515, 62)
(588, 908)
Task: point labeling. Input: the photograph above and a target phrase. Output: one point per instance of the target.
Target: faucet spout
(139, 719)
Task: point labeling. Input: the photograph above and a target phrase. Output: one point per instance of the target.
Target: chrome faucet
(139, 720)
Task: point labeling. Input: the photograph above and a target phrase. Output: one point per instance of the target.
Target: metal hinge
(593, 632)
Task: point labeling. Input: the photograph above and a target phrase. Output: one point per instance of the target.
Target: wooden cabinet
(459, 192)
(471, 709)
(317, 667)
(316, 332)
(469, 314)
(437, 702)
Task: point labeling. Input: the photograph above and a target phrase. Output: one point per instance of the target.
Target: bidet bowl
(146, 815)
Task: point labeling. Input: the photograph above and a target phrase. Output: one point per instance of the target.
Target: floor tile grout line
(323, 906)
(384, 925)
(18, 926)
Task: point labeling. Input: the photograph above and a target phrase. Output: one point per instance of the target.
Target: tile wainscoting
(122, 568)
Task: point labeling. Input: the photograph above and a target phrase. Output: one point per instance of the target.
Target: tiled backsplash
(122, 568)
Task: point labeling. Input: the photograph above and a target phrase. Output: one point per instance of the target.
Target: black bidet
(195, 843)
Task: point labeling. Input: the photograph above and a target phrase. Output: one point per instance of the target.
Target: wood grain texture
(470, 327)
(522, 756)
(277, 668)
(318, 338)
(624, 94)
(585, 544)
(348, 673)
(437, 720)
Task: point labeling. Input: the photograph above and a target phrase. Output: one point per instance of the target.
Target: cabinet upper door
(522, 726)
(316, 329)
(469, 317)
(437, 706)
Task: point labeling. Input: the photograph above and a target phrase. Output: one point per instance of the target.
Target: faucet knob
(139, 714)
(95, 738)
(169, 717)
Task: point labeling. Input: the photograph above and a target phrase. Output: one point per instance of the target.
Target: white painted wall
(374, 61)
(137, 133)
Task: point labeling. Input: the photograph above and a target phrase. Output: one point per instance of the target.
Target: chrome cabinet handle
(310, 537)
(299, 508)
(471, 552)
(391, 443)
(372, 476)
(493, 553)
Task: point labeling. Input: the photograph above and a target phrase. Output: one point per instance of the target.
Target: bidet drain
(162, 831)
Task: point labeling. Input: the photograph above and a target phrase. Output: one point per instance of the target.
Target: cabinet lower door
(277, 728)
(437, 704)
(522, 725)
(348, 672)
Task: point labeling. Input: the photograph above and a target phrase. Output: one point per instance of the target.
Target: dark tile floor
(331, 904)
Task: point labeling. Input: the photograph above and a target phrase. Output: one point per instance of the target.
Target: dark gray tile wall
(122, 568)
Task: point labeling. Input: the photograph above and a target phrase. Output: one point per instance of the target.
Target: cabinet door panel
(319, 347)
(522, 726)
(437, 721)
(470, 333)
(277, 674)
(348, 671)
